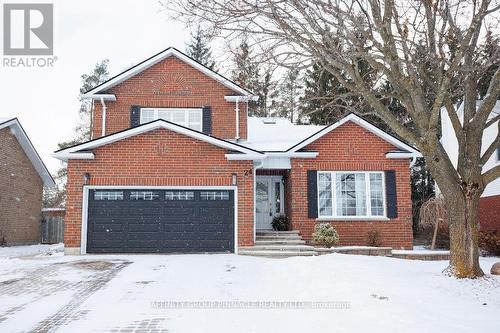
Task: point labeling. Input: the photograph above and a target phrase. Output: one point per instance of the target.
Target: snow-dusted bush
(325, 235)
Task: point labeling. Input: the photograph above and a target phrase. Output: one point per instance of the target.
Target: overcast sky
(46, 100)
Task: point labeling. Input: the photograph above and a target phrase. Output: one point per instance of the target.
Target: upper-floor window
(191, 118)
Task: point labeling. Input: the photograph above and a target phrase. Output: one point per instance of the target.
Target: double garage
(152, 220)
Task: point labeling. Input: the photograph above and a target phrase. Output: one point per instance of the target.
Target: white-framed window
(192, 118)
(357, 194)
(214, 195)
(179, 195)
(144, 195)
(108, 195)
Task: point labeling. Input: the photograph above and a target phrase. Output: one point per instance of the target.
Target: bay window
(351, 194)
(191, 118)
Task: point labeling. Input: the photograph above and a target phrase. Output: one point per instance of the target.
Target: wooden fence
(52, 229)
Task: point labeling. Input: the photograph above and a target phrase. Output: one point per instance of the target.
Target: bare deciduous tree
(422, 48)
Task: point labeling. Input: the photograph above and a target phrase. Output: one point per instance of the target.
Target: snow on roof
(5, 119)
(276, 134)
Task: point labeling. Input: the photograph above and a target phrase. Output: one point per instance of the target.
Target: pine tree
(247, 74)
(288, 96)
(322, 102)
(199, 49)
(490, 57)
(53, 197)
(97, 76)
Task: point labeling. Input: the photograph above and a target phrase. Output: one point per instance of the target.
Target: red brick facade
(489, 213)
(352, 148)
(183, 161)
(164, 158)
(21, 195)
(174, 84)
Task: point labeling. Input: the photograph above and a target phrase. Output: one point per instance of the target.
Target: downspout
(103, 132)
(92, 111)
(256, 165)
(237, 109)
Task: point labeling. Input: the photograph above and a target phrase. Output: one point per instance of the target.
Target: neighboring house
(22, 177)
(176, 165)
(489, 206)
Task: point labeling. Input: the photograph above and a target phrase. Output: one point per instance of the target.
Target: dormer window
(191, 118)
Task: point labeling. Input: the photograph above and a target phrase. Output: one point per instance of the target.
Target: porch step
(278, 237)
(281, 248)
(276, 254)
(276, 233)
(280, 242)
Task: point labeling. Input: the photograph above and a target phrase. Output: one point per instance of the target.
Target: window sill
(352, 218)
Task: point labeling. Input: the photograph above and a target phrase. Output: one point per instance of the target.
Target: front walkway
(181, 293)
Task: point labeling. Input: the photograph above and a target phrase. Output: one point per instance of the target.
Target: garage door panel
(142, 244)
(180, 227)
(178, 212)
(108, 235)
(207, 243)
(143, 227)
(107, 243)
(212, 227)
(169, 223)
(107, 227)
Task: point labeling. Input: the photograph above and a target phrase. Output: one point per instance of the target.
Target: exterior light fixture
(234, 179)
(86, 178)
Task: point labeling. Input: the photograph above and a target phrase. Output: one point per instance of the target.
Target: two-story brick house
(176, 165)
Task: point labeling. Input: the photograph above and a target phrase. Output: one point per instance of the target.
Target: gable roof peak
(147, 63)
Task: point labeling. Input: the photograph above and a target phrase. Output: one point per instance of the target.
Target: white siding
(450, 144)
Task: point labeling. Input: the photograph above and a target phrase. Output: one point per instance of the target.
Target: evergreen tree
(247, 74)
(199, 48)
(489, 57)
(288, 96)
(97, 76)
(422, 188)
(322, 102)
(53, 197)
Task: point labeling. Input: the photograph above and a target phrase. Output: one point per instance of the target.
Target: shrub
(489, 241)
(280, 223)
(325, 235)
(373, 238)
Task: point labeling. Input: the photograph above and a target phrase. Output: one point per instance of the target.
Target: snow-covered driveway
(144, 293)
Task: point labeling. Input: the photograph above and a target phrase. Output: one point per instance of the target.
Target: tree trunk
(463, 215)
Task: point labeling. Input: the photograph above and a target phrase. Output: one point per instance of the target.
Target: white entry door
(268, 200)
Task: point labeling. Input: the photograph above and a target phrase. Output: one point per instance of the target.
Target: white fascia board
(231, 98)
(300, 154)
(68, 152)
(63, 156)
(395, 155)
(105, 97)
(30, 151)
(244, 157)
(361, 122)
(159, 57)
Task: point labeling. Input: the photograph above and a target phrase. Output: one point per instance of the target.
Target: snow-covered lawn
(118, 293)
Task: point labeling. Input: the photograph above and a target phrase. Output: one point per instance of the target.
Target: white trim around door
(85, 202)
(271, 182)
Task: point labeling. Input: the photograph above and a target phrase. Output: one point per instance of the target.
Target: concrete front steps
(278, 244)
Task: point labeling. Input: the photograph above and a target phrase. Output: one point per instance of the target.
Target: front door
(268, 200)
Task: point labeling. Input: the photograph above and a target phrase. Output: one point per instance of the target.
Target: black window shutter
(312, 194)
(135, 115)
(207, 120)
(391, 194)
